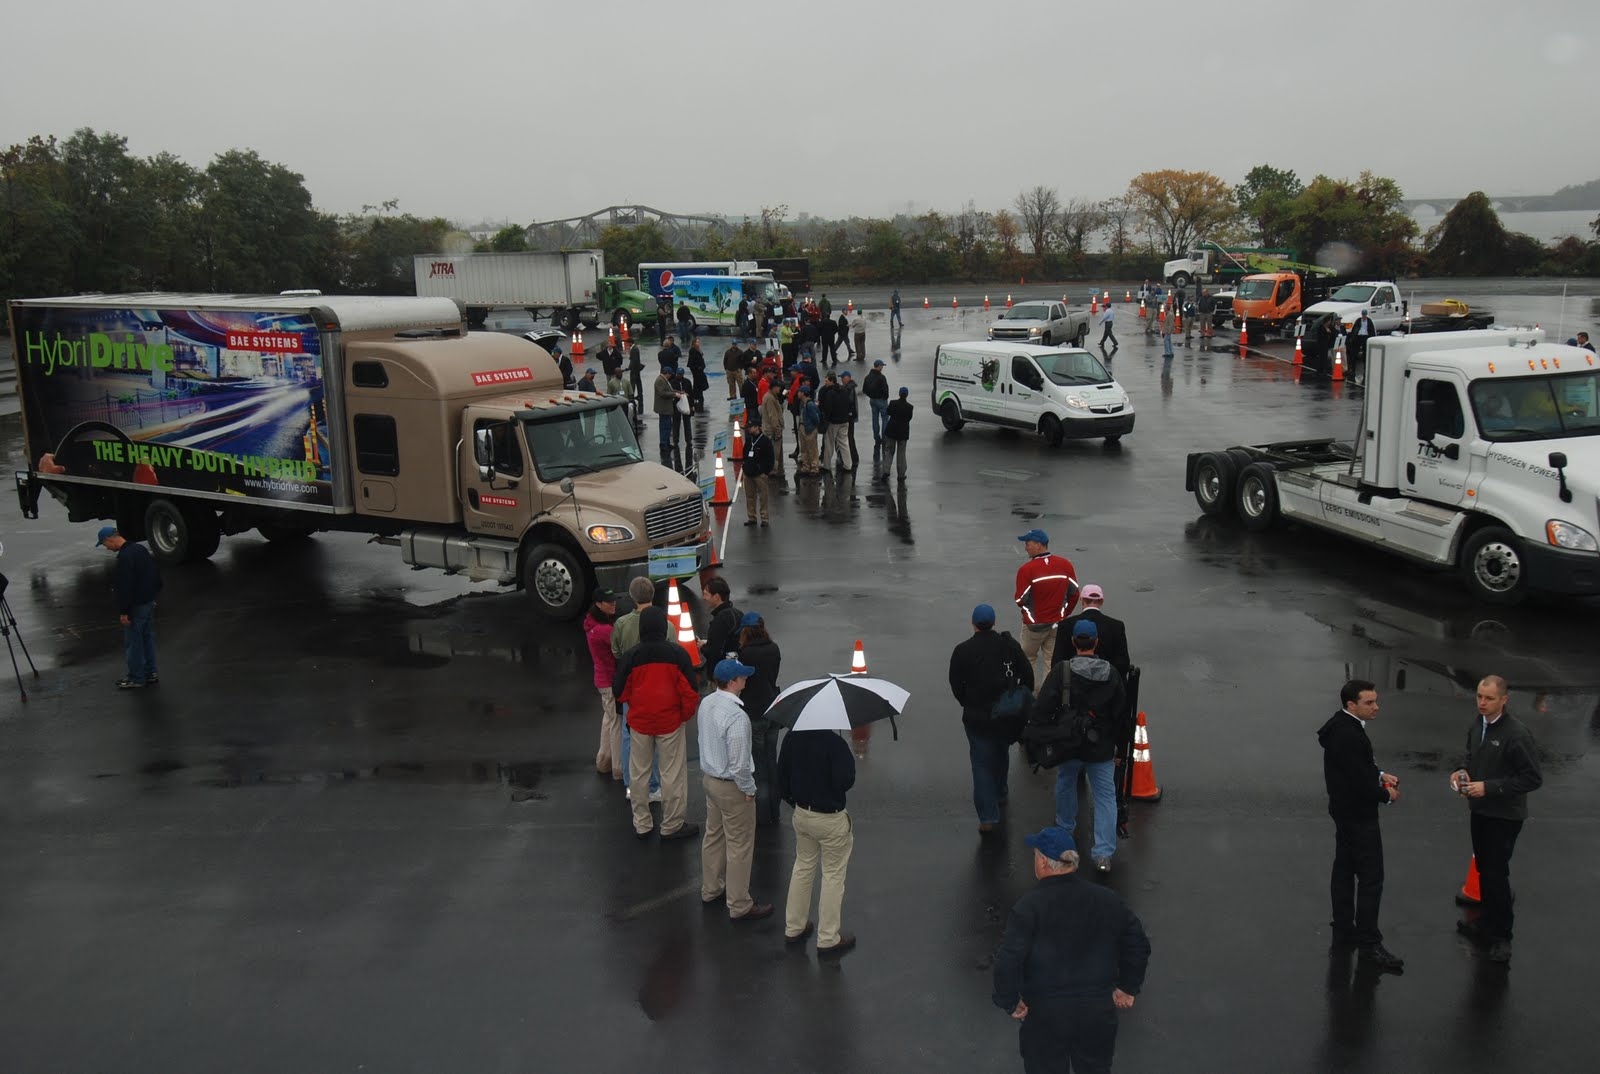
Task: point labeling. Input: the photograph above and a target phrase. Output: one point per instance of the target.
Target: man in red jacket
(656, 682)
(1047, 591)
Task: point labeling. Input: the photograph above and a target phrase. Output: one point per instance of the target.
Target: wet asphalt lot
(357, 825)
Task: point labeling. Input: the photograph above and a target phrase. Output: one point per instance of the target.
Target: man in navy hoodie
(138, 582)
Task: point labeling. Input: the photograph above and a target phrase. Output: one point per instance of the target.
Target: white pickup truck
(1477, 450)
(1051, 324)
(1381, 300)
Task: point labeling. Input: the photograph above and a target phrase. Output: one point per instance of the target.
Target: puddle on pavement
(524, 778)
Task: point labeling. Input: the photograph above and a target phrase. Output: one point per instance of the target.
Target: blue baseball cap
(1035, 535)
(728, 670)
(904, 392)
(846, 374)
(1052, 842)
(878, 362)
(105, 532)
(983, 613)
(751, 619)
(1085, 628)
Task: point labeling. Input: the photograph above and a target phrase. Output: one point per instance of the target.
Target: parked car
(1048, 323)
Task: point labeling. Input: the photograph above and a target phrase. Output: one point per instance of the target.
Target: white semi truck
(1477, 451)
(571, 286)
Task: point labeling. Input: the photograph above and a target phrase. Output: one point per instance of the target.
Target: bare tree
(1038, 209)
(1078, 219)
(973, 230)
(771, 216)
(1118, 221)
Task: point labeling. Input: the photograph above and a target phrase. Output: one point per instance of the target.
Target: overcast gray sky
(510, 109)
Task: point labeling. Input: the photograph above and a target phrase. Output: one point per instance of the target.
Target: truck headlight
(1566, 535)
(609, 534)
(1036, 331)
(1077, 402)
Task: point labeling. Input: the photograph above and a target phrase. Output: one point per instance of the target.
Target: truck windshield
(1026, 312)
(1249, 289)
(1352, 292)
(1073, 367)
(760, 289)
(1538, 408)
(565, 445)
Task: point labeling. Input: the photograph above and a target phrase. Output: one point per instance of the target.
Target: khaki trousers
(808, 452)
(755, 496)
(729, 845)
(777, 451)
(828, 836)
(608, 758)
(674, 780)
(836, 450)
(735, 378)
(1036, 640)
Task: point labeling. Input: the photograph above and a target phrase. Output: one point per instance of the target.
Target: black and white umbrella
(838, 703)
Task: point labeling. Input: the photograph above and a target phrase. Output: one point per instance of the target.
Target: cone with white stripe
(674, 605)
(858, 660)
(1144, 773)
(686, 638)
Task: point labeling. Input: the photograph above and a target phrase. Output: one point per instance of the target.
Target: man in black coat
(137, 584)
(722, 633)
(982, 668)
(1113, 632)
(1356, 788)
(1087, 683)
(759, 460)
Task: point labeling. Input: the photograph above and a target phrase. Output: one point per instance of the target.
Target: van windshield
(1256, 288)
(1026, 312)
(565, 445)
(1073, 368)
(1352, 292)
(1538, 408)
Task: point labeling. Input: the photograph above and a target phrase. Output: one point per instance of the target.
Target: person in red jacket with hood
(656, 683)
(1047, 591)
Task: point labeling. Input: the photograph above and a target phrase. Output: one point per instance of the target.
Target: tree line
(84, 214)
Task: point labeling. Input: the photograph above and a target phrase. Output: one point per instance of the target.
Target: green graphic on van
(990, 374)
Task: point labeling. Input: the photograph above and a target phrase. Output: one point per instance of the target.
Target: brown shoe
(756, 912)
(846, 943)
(800, 937)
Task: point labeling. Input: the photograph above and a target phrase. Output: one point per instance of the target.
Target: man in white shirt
(728, 775)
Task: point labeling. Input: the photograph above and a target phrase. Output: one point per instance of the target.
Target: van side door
(1436, 463)
(1025, 396)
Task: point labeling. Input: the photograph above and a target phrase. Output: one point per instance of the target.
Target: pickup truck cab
(1380, 300)
(1477, 451)
(1045, 323)
(1061, 393)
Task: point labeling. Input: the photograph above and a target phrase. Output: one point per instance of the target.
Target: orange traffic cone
(1094, 305)
(986, 303)
(686, 638)
(849, 305)
(1008, 302)
(925, 303)
(674, 605)
(577, 343)
(1469, 895)
(953, 303)
(737, 454)
(611, 337)
(1144, 772)
(1161, 313)
(1299, 355)
(1338, 364)
(1244, 333)
(1143, 313)
(1105, 298)
(858, 660)
(1178, 313)
(1127, 296)
(626, 339)
(719, 493)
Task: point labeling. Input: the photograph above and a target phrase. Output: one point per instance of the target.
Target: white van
(1062, 393)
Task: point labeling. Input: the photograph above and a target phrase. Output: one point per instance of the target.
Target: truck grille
(1011, 333)
(663, 520)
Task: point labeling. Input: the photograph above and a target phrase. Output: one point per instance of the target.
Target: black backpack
(1050, 737)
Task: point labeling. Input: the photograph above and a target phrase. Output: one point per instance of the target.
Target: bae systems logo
(442, 268)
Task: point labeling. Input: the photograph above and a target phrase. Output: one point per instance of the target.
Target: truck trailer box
(539, 280)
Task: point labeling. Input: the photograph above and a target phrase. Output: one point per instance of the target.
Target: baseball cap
(1052, 842)
(904, 392)
(728, 670)
(604, 595)
(1085, 628)
(751, 619)
(878, 362)
(847, 375)
(983, 613)
(105, 531)
(1035, 535)
(1093, 592)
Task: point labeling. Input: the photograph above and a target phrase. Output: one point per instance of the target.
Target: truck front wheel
(1492, 564)
(1257, 497)
(1182, 279)
(1083, 335)
(557, 582)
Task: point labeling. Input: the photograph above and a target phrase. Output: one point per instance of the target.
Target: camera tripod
(8, 623)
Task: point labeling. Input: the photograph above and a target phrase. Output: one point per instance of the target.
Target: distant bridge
(1528, 203)
(682, 232)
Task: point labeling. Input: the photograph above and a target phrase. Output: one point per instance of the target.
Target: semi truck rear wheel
(555, 580)
(1492, 564)
(1257, 497)
(1214, 475)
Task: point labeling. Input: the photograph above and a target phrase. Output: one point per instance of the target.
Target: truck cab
(1049, 324)
(1379, 299)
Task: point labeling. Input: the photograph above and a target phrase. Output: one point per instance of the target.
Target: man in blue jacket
(1073, 955)
(137, 583)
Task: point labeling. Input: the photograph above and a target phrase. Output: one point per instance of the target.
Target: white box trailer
(1477, 450)
(571, 285)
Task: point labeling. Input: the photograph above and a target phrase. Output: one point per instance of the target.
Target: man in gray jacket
(1501, 767)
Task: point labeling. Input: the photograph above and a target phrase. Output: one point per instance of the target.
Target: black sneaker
(154, 680)
(687, 831)
(1500, 951)
(129, 684)
(1381, 958)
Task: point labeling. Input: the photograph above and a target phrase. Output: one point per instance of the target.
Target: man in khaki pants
(1047, 590)
(815, 770)
(657, 684)
(727, 769)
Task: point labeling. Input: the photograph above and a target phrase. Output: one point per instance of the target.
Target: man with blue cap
(1047, 589)
(728, 774)
(1073, 955)
(137, 584)
(983, 668)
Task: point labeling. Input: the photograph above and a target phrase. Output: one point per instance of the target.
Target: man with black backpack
(1085, 695)
(992, 682)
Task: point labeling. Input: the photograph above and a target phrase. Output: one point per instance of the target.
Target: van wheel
(167, 530)
(1050, 429)
(1493, 566)
(1257, 497)
(950, 414)
(558, 584)
(1214, 476)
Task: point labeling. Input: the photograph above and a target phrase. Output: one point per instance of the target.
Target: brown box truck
(185, 418)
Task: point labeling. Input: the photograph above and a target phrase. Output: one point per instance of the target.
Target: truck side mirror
(1427, 420)
(1558, 460)
(483, 453)
(1558, 463)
